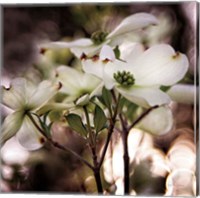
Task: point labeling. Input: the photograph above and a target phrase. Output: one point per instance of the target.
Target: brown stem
(98, 180)
(125, 133)
(126, 155)
(110, 130)
(92, 139)
(66, 149)
(96, 170)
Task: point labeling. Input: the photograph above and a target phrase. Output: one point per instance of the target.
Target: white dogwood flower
(78, 86)
(90, 46)
(141, 73)
(23, 98)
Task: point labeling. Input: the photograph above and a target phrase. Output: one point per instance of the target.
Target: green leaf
(45, 116)
(117, 52)
(55, 116)
(122, 102)
(165, 88)
(46, 128)
(75, 122)
(131, 109)
(107, 97)
(100, 98)
(99, 119)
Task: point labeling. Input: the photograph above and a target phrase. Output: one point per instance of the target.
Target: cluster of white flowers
(108, 61)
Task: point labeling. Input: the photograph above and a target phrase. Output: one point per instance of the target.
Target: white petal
(94, 67)
(64, 44)
(107, 53)
(160, 65)
(97, 91)
(15, 96)
(76, 82)
(89, 51)
(89, 82)
(53, 107)
(70, 78)
(145, 97)
(158, 122)
(78, 47)
(83, 100)
(44, 92)
(129, 52)
(11, 125)
(183, 93)
(133, 22)
(29, 137)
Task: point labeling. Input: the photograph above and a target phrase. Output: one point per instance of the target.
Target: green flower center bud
(124, 78)
(99, 37)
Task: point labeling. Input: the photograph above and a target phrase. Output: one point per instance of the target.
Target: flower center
(99, 37)
(124, 78)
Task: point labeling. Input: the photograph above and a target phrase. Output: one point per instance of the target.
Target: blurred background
(164, 165)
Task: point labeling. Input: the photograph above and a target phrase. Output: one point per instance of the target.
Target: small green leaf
(55, 115)
(99, 119)
(117, 52)
(130, 110)
(76, 124)
(100, 98)
(122, 102)
(46, 128)
(45, 116)
(165, 88)
(107, 97)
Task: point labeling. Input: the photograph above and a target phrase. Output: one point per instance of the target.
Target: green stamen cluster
(124, 78)
(98, 37)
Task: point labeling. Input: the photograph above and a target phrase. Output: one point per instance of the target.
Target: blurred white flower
(98, 39)
(13, 153)
(181, 182)
(140, 73)
(183, 93)
(23, 98)
(160, 33)
(182, 154)
(151, 124)
(79, 86)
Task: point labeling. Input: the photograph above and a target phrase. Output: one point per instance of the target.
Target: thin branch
(110, 130)
(142, 116)
(92, 139)
(125, 145)
(57, 145)
(125, 132)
